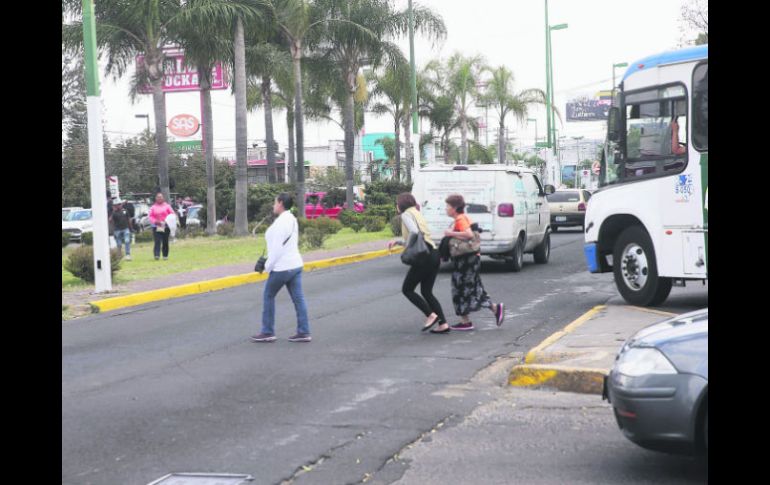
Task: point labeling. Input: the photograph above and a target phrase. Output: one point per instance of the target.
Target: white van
(508, 203)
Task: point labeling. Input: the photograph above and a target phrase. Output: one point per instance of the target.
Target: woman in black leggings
(423, 273)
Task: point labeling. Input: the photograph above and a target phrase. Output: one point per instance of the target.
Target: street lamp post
(550, 88)
(102, 263)
(620, 64)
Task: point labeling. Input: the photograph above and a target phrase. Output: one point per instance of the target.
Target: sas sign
(183, 125)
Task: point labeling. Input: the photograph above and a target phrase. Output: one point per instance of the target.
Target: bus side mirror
(613, 124)
(549, 189)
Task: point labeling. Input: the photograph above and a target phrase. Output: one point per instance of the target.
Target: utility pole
(102, 263)
(415, 129)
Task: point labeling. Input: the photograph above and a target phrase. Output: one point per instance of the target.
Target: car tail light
(582, 207)
(505, 210)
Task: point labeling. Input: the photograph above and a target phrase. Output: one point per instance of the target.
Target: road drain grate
(202, 479)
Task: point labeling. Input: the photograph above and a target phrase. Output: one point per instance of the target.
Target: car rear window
(565, 196)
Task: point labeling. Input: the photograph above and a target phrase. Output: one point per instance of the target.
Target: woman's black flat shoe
(446, 330)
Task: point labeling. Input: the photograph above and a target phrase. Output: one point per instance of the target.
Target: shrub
(313, 237)
(374, 224)
(334, 197)
(327, 225)
(395, 225)
(346, 217)
(65, 239)
(191, 232)
(379, 198)
(144, 236)
(87, 238)
(81, 262)
(356, 222)
(226, 229)
(389, 187)
(385, 211)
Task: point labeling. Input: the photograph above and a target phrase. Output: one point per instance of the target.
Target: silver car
(658, 387)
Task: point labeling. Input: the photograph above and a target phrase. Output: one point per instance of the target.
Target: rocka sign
(178, 77)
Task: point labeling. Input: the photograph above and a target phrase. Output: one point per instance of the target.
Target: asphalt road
(177, 386)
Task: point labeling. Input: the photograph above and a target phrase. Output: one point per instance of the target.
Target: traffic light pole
(102, 264)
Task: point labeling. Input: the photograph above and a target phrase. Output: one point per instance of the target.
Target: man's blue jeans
(292, 279)
(123, 236)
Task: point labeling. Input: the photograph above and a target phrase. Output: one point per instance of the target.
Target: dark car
(658, 387)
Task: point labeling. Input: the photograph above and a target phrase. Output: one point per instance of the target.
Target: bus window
(656, 134)
(700, 108)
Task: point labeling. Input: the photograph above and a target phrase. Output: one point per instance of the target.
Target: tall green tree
(394, 88)
(363, 33)
(500, 93)
(463, 75)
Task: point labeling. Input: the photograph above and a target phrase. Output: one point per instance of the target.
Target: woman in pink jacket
(160, 231)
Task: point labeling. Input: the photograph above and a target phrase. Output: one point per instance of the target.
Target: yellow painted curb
(532, 354)
(117, 302)
(563, 378)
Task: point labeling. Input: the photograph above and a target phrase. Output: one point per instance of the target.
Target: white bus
(648, 222)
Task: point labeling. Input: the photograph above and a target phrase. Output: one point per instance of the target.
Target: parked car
(316, 206)
(507, 202)
(658, 387)
(78, 222)
(66, 210)
(193, 215)
(568, 208)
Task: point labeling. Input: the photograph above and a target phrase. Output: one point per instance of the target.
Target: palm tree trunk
(296, 54)
(445, 145)
(464, 142)
(241, 180)
(397, 130)
(159, 106)
(208, 149)
(348, 116)
(501, 142)
(408, 149)
(290, 151)
(267, 101)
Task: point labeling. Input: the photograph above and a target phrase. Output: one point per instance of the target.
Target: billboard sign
(587, 108)
(180, 78)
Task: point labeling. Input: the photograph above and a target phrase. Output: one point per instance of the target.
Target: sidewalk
(77, 301)
(577, 358)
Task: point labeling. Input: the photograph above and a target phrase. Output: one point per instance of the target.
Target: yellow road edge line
(134, 299)
(532, 354)
(650, 310)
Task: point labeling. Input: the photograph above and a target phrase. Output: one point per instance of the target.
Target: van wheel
(543, 250)
(516, 261)
(636, 270)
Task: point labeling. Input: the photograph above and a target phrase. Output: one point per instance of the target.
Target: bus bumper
(592, 258)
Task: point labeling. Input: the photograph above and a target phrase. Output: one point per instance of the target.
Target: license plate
(561, 218)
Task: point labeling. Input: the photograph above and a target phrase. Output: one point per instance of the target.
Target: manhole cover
(202, 479)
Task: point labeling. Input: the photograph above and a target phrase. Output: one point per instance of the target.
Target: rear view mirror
(549, 189)
(613, 124)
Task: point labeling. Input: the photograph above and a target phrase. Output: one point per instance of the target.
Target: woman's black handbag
(416, 249)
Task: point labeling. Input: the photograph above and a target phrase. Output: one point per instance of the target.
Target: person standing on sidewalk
(159, 211)
(468, 294)
(123, 227)
(284, 266)
(424, 273)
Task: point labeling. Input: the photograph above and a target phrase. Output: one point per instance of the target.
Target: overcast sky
(505, 32)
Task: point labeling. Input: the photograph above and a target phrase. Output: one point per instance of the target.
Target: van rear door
(476, 187)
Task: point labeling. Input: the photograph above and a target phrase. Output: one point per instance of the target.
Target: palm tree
(267, 60)
(462, 75)
(394, 86)
(361, 35)
(124, 30)
(296, 20)
(500, 94)
(205, 42)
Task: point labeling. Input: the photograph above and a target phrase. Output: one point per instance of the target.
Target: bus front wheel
(636, 270)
